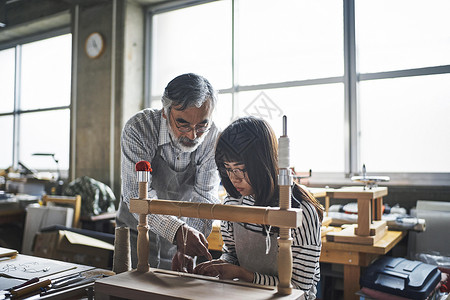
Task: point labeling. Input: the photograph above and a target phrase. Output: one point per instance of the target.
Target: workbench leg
(327, 205)
(351, 282)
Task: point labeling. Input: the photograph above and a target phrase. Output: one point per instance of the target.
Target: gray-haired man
(179, 143)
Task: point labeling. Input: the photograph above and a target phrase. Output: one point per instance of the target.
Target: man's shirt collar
(164, 136)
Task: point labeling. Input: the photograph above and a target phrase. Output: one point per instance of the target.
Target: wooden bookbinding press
(370, 227)
(146, 282)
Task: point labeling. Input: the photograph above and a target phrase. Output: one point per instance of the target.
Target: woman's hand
(223, 270)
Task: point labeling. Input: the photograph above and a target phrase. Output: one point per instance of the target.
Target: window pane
(45, 132)
(224, 111)
(7, 72)
(290, 40)
(192, 40)
(6, 141)
(412, 34)
(315, 122)
(405, 124)
(46, 73)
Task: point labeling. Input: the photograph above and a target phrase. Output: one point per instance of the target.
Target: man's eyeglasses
(199, 128)
(238, 173)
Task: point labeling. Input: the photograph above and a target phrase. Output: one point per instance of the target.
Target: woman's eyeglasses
(238, 173)
(199, 128)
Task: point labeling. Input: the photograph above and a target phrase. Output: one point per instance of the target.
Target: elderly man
(178, 141)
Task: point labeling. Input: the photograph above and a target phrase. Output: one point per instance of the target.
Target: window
(35, 87)
(192, 40)
(404, 90)
(355, 90)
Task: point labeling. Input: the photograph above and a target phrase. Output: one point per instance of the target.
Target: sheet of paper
(76, 238)
(27, 267)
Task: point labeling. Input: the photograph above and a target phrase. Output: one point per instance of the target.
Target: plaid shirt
(141, 136)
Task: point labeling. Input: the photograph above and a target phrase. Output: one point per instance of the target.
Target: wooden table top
(357, 192)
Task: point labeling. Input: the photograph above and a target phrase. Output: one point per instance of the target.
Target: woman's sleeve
(229, 249)
(305, 266)
(306, 247)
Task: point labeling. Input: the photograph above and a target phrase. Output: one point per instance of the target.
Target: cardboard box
(73, 247)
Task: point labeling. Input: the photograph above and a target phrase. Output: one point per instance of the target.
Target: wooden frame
(283, 218)
(146, 282)
(75, 201)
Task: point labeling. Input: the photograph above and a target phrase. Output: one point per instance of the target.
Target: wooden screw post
(284, 240)
(285, 251)
(143, 243)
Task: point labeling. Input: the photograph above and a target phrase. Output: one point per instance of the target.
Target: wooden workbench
(354, 256)
(11, 275)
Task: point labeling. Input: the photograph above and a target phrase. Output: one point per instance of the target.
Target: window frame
(16, 44)
(350, 79)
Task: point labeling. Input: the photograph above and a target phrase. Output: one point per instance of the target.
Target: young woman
(246, 155)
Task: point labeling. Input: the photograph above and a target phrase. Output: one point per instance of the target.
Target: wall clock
(94, 45)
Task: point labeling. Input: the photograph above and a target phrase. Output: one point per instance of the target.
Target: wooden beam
(286, 218)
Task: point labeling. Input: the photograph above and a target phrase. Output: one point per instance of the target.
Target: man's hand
(182, 263)
(223, 270)
(192, 242)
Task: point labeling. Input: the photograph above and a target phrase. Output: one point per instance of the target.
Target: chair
(75, 201)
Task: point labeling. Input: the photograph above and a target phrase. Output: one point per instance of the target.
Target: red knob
(143, 166)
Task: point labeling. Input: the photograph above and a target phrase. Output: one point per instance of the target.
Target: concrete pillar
(107, 89)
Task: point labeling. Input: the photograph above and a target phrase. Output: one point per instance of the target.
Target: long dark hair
(252, 141)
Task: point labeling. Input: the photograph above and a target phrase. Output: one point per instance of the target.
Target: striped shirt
(306, 247)
(141, 137)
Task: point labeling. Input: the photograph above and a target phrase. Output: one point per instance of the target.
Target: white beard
(181, 142)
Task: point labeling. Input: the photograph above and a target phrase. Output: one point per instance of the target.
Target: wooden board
(364, 217)
(324, 230)
(326, 221)
(383, 246)
(317, 192)
(357, 192)
(348, 235)
(170, 285)
(375, 228)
